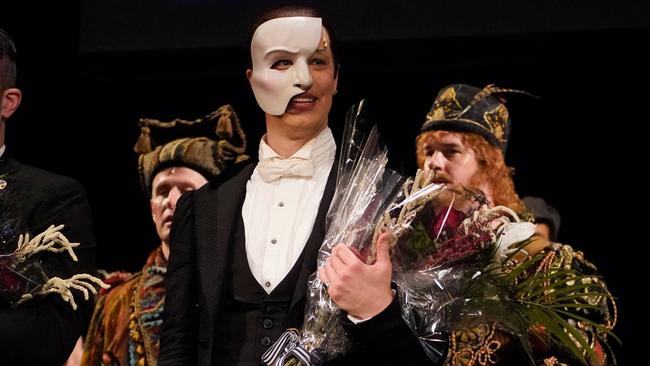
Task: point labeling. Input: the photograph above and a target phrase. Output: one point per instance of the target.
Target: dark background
(89, 70)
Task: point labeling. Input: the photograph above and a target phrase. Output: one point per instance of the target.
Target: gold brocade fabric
(486, 344)
(475, 346)
(125, 327)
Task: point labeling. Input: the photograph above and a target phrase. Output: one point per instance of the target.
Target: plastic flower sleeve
(18, 278)
(364, 189)
(424, 224)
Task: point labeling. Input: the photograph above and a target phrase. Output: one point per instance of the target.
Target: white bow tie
(276, 168)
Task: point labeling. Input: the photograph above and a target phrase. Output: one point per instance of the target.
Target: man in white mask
(243, 247)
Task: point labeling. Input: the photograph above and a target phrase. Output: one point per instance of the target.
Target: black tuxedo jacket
(201, 234)
(44, 331)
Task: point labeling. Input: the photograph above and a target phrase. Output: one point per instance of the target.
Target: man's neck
(165, 250)
(286, 144)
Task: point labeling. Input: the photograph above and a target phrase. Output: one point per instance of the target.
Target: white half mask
(292, 38)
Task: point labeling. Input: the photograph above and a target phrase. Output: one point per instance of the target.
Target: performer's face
(167, 187)
(451, 160)
(293, 73)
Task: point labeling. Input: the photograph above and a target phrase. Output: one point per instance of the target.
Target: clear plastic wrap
(364, 189)
(19, 278)
(447, 242)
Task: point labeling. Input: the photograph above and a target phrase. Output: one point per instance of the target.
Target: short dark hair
(298, 11)
(7, 61)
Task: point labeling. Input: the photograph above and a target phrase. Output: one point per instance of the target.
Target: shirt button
(265, 341)
(267, 284)
(273, 241)
(281, 204)
(267, 323)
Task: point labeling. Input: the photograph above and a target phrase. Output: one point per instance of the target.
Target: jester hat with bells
(208, 145)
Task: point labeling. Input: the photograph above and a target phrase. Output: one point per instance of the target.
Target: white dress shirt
(279, 215)
(2, 150)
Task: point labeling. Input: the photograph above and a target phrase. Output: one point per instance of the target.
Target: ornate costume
(127, 322)
(125, 327)
(467, 109)
(486, 344)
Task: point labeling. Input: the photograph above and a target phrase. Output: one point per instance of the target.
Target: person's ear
(249, 73)
(10, 101)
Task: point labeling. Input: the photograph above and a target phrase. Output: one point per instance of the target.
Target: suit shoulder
(201, 196)
(229, 173)
(48, 179)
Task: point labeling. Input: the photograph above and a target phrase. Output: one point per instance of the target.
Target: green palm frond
(548, 292)
(559, 331)
(552, 300)
(517, 248)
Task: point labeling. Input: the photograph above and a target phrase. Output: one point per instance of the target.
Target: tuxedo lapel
(215, 227)
(315, 240)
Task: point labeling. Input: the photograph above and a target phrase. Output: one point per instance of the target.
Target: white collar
(319, 149)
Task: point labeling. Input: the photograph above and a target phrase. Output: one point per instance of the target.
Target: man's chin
(164, 232)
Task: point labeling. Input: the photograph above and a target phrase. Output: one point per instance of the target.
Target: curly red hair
(492, 166)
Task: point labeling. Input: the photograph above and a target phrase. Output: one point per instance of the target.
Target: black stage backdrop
(90, 70)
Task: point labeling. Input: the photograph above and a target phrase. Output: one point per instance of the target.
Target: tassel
(143, 145)
(224, 126)
(241, 157)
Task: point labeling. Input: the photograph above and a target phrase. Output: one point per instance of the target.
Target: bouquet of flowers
(457, 262)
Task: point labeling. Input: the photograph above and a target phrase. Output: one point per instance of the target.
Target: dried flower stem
(82, 282)
(50, 240)
(414, 201)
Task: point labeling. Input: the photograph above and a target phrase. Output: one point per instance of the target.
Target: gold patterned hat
(208, 145)
(465, 108)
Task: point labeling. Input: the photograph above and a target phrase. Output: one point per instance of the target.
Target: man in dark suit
(244, 245)
(42, 331)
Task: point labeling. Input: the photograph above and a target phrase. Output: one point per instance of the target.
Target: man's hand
(362, 290)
